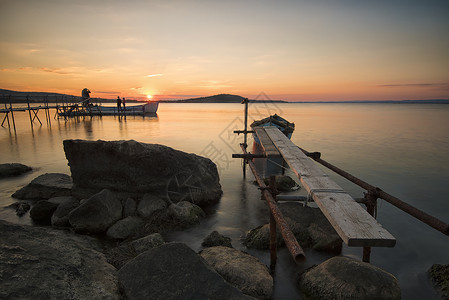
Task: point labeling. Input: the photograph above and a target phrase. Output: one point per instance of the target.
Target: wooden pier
(356, 226)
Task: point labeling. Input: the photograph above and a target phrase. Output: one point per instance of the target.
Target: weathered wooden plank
(266, 143)
(355, 225)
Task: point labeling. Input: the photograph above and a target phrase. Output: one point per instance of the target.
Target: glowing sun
(149, 97)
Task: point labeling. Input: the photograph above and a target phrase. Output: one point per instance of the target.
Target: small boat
(284, 126)
(149, 108)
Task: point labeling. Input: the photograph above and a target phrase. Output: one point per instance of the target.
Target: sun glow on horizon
(149, 97)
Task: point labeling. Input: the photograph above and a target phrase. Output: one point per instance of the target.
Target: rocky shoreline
(129, 193)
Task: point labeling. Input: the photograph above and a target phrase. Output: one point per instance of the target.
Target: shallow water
(401, 148)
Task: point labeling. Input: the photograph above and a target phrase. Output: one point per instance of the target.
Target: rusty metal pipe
(411, 210)
(289, 238)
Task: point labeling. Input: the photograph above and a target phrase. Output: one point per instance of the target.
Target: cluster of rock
(131, 192)
(309, 225)
(124, 188)
(73, 267)
(150, 189)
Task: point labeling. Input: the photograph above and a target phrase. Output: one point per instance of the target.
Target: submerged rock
(133, 167)
(173, 271)
(346, 278)
(309, 225)
(284, 183)
(13, 169)
(44, 263)
(216, 239)
(46, 186)
(97, 213)
(439, 274)
(241, 270)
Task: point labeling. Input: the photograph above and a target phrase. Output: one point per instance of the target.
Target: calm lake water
(401, 148)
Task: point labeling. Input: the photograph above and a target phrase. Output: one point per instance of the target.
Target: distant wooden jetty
(67, 107)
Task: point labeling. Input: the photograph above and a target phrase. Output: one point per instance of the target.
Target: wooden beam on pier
(266, 143)
(354, 225)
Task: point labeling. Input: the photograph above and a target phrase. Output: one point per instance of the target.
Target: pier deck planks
(266, 143)
(354, 224)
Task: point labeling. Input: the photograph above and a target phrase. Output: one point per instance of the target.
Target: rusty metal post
(29, 112)
(273, 235)
(288, 236)
(245, 138)
(370, 201)
(12, 114)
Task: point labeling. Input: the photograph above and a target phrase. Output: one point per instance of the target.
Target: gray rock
(96, 214)
(43, 263)
(130, 166)
(241, 270)
(186, 213)
(284, 183)
(309, 225)
(13, 169)
(148, 242)
(61, 215)
(439, 274)
(346, 278)
(149, 205)
(46, 186)
(42, 211)
(129, 208)
(216, 239)
(173, 271)
(124, 228)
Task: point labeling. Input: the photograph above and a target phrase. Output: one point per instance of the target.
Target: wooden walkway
(354, 225)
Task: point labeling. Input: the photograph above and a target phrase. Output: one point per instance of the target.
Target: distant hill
(221, 98)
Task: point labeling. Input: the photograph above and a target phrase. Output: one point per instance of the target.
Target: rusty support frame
(292, 244)
(411, 210)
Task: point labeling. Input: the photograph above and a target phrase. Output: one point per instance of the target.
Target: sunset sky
(290, 50)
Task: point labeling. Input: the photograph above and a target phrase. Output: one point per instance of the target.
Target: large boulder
(173, 271)
(46, 186)
(347, 278)
(309, 225)
(44, 263)
(96, 214)
(61, 215)
(240, 269)
(133, 167)
(13, 169)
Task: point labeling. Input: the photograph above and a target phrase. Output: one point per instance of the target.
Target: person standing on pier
(124, 104)
(119, 104)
